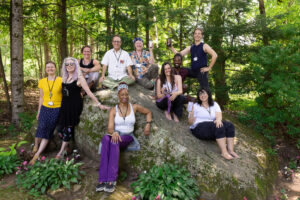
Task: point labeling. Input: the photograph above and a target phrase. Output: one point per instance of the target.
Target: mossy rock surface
(251, 176)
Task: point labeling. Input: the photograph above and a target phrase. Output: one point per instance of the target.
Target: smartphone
(169, 42)
(150, 44)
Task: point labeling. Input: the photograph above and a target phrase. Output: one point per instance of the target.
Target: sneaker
(100, 187)
(110, 188)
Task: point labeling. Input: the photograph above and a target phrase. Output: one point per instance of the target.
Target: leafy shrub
(168, 181)
(49, 174)
(9, 159)
(276, 79)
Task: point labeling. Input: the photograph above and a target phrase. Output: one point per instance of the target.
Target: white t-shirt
(202, 114)
(117, 63)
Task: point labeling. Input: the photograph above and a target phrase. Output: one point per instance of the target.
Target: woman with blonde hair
(72, 102)
(48, 111)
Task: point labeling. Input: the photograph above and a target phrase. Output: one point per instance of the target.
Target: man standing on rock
(89, 67)
(198, 51)
(117, 61)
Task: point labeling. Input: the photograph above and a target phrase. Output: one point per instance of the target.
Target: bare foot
(233, 154)
(227, 156)
(168, 116)
(175, 118)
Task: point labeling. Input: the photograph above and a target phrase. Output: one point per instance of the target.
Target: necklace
(118, 58)
(124, 116)
(50, 89)
(208, 110)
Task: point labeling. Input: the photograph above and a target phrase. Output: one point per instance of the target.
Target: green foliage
(9, 159)
(276, 77)
(50, 174)
(26, 120)
(293, 165)
(168, 181)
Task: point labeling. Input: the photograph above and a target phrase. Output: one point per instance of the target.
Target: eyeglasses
(116, 41)
(69, 64)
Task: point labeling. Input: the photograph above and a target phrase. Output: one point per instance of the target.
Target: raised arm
(183, 52)
(148, 114)
(151, 59)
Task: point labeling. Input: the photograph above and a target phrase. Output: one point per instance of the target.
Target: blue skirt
(47, 122)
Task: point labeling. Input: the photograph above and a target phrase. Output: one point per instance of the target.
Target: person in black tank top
(199, 67)
(89, 67)
(72, 102)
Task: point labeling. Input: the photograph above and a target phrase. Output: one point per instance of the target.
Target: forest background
(256, 76)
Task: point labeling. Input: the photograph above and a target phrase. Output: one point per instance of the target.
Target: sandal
(33, 160)
(34, 150)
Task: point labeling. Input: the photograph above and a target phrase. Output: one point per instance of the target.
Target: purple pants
(110, 153)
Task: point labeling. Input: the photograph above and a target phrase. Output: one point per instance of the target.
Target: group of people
(61, 100)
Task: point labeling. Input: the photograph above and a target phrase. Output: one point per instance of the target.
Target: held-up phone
(150, 44)
(169, 42)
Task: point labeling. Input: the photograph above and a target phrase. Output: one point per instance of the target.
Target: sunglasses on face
(70, 64)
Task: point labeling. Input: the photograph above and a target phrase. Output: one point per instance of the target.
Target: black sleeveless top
(198, 57)
(89, 66)
(71, 105)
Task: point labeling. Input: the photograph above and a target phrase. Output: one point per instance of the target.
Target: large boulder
(251, 176)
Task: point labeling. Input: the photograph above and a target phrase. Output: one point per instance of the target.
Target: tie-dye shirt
(141, 63)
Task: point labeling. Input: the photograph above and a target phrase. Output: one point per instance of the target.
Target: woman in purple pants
(120, 135)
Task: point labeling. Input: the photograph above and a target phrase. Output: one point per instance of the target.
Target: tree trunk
(85, 35)
(38, 60)
(215, 18)
(147, 26)
(181, 28)
(108, 23)
(2, 72)
(62, 5)
(16, 54)
(262, 12)
(44, 35)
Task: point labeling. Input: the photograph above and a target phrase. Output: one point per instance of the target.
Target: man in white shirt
(117, 60)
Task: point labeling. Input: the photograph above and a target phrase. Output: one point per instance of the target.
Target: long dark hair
(210, 100)
(162, 76)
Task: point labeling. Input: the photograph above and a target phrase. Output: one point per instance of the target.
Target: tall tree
(262, 13)
(2, 73)
(62, 5)
(16, 53)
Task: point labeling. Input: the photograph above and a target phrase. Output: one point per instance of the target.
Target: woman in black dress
(72, 102)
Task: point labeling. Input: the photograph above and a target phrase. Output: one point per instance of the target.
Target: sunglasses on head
(70, 64)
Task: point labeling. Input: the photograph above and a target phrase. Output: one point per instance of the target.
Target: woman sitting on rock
(120, 135)
(169, 93)
(206, 124)
(48, 111)
(72, 102)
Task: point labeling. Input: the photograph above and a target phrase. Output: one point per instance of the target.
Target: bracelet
(149, 122)
(99, 104)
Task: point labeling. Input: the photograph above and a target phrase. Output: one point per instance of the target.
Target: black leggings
(202, 77)
(209, 131)
(66, 133)
(176, 105)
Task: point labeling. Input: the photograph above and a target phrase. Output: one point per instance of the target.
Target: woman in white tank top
(169, 93)
(120, 135)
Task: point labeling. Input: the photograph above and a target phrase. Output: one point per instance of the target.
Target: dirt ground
(283, 188)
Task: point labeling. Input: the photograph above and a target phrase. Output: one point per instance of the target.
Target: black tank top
(198, 57)
(89, 66)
